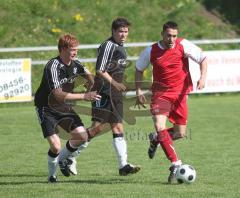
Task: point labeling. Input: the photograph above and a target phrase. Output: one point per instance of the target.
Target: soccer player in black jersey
(52, 103)
(108, 82)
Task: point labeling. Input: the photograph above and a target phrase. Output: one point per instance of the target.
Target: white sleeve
(192, 51)
(144, 59)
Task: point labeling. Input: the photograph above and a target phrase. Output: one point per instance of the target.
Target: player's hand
(91, 96)
(140, 101)
(200, 84)
(119, 86)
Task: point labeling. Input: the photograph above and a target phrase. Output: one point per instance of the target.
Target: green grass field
(212, 147)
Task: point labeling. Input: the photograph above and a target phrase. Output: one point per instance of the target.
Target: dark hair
(170, 24)
(67, 41)
(120, 22)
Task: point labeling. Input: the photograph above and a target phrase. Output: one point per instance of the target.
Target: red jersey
(170, 66)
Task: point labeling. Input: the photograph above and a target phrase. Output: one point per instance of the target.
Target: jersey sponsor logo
(65, 80)
(122, 62)
(116, 65)
(74, 70)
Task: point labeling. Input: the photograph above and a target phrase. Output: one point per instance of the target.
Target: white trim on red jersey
(192, 51)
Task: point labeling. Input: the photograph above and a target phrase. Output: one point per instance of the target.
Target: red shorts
(172, 105)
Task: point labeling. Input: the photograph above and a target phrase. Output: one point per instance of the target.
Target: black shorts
(49, 119)
(108, 110)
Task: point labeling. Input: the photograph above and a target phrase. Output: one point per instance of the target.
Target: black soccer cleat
(172, 176)
(153, 145)
(128, 169)
(64, 167)
(52, 179)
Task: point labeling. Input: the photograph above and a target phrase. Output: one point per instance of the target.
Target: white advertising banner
(15, 80)
(223, 73)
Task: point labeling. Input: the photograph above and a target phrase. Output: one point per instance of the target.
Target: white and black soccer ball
(186, 174)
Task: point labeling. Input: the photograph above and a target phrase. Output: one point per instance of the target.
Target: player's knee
(55, 147)
(81, 136)
(84, 137)
(54, 143)
(159, 127)
(117, 128)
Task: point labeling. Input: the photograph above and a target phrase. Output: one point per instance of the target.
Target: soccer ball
(186, 174)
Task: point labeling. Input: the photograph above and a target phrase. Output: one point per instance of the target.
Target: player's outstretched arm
(62, 96)
(140, 100)
(203, 74)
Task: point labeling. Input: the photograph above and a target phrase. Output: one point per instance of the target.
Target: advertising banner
(15, 80)
(223, 73)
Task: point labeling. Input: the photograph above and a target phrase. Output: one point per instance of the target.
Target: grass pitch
(212, 147)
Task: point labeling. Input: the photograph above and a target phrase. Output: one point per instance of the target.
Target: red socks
(166, 143)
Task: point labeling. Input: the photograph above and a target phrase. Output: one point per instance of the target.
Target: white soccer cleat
(72, 165)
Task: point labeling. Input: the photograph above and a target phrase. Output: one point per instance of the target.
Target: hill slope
(40, 22)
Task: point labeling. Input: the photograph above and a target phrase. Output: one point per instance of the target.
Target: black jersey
(57, 75)
(112, 59)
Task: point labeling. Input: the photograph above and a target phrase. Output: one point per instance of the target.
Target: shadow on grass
(21, 183)
(101, 181)
(96, 180)
(20, 175)
(125, 180)
(121, 180)
(88, 181)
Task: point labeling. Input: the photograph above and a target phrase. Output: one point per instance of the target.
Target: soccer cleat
(64, 167)
(172, 176)
(128, 169)
(52, 179)
(153, 145)
(72, 163)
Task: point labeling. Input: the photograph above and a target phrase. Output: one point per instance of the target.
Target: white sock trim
(177, 163)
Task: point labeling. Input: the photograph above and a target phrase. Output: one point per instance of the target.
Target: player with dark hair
(170, 88)
(108, 82)
(52, 103)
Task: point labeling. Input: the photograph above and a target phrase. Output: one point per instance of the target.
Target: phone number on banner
(14, 88)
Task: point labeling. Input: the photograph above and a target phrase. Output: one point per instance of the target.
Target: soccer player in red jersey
(170, 88)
